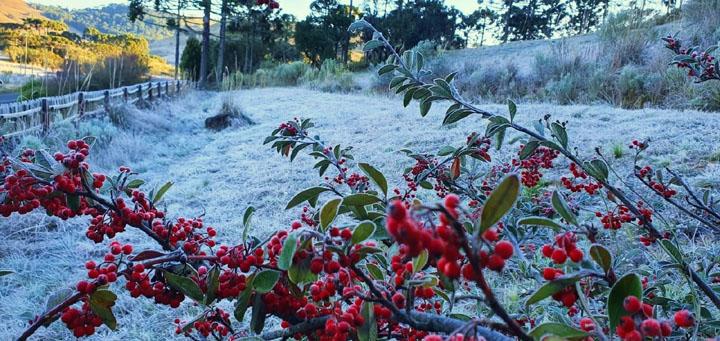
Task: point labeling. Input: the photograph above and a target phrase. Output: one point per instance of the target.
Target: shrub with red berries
(366, 261)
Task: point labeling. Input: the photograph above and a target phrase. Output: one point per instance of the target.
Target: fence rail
(40, 114)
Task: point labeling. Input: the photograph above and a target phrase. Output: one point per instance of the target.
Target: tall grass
(330, 77)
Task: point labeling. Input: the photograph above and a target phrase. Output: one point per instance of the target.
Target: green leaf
(425, 107)
(58, 297)
(601, 256)
(560, 134)
(528, 149)
(550, 288)
(368, 331)
(247, 217)
(672, 250)
(329, 211)
(358, 25)
(501, 200)
(135, 183)
(299, 273)
(185, 285)
(371, 45)
(212, 285)
(375, 176)
(387, 69)
(288, 251)
(562, 208)
(363, 231)
(101, 301)
(420, 261)
(73, 202)
(6, 272)
(512, 108)
(265, 280)
(628, 285)
(375, 271)
(598, 169)
(540, 221)
(306, 195)
(257, 320)
(243, 302)
(557, 329)
(360, 199)
(161, 192)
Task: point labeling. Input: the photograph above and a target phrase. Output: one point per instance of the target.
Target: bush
(631, 87)
(368, 261)
(625, 37)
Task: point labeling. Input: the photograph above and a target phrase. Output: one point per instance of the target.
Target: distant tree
(412, 21)
(313, 42)
(326, 25)
(478, 22)
(584, 15)
(169, 12)
(531, 19)
(190, 60)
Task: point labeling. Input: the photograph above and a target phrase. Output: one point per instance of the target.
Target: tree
(531, 19)
(478, 22)
(169, 11)
(323, 34)
(584, 15)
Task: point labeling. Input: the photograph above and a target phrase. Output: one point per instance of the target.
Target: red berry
(504, 249)
(684, 319)
(452, 201)
(495, 262)
(576, 255)
(650, 327)
(559, 256)
(632, 304)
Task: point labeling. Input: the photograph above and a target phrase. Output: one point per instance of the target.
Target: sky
(299, 8)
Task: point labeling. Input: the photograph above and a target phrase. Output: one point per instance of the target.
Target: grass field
(220, 174)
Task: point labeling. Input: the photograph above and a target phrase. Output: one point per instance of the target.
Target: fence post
(140, 95)
(125, 94)
(106, 101)
(177, 87)
(45, 116)
(159, 88)
(81, 104)
(167, 88)
(150, 96)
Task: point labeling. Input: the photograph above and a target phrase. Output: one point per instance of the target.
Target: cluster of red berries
(215, 322)
(289, 128)
(344, 322)
(661, 189)
(564, 247)
(21, 194)
(75, 159)
(641, 324)
(613, 220)
(140, 283)
(635, 144)
(82, 322)
(578, 174)
(236, 258)
(541, 158)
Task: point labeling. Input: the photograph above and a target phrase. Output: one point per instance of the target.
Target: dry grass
(220, 174)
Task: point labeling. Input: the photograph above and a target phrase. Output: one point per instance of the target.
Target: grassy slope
(219, 174)
(14, 11)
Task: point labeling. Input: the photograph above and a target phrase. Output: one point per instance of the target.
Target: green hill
(110, 19)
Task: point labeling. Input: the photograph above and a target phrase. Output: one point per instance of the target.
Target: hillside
(13, 11)
(110, 19)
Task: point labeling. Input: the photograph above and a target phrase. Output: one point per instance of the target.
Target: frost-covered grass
(220, 174)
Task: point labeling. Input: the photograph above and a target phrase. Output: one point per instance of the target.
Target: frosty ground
(218, 175)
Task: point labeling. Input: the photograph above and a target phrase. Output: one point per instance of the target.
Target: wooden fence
(40, 114)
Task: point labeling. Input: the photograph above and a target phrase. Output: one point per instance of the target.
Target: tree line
(252, 32)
